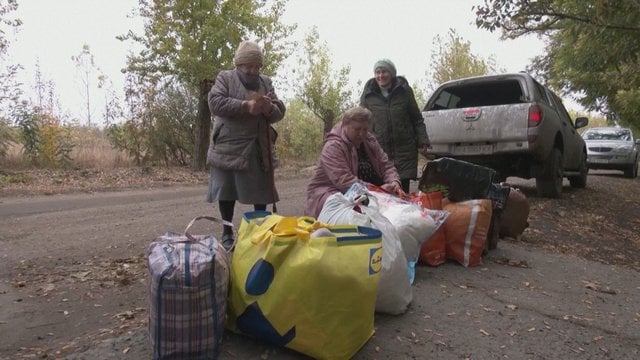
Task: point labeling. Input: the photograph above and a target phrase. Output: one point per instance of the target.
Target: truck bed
(479, 130)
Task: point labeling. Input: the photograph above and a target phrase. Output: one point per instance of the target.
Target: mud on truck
(512, 124)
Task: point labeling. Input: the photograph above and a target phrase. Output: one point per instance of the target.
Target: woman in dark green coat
(397, 121)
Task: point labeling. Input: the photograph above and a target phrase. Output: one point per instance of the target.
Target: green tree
(7, 22)
(451, 58)
(159, 122)
(173, 115)
(133, 136)
(10, 105)
(10, 89)
(299, 137)
(44, 140)
(319, 87)
(193, 41)
(592, 51)
(420, 94)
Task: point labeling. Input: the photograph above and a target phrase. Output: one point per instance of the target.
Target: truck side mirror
(581, 122)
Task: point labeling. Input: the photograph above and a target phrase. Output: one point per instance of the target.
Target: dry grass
(98, 153)
(92, 150)
(49, 182)
(98, 167)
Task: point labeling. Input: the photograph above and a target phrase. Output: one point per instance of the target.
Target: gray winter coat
(235, 131)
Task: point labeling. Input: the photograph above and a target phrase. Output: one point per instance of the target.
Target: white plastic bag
(394, 288)
(414, 224)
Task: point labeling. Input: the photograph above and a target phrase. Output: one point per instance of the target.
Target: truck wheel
(549, 184)
(580, 181)
(632, 171)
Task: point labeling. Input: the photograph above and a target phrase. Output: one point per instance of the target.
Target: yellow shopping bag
(313, 294)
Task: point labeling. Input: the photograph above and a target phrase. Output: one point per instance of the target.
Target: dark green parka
(397, 123)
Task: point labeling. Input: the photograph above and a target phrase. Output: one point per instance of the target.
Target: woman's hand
(267, 106)
(258, 105)
(424, 149)
(392, 187)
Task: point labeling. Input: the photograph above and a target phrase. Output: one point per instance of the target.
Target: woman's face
(383, 77)
(252, 69)
(356, 131)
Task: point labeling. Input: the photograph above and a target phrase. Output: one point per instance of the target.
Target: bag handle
(300, 227)
(210, 218)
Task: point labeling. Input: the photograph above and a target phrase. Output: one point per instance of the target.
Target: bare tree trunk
(327, 119)
(203, 128)
(87, 92)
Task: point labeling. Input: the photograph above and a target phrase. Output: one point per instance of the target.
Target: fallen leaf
(82, 275)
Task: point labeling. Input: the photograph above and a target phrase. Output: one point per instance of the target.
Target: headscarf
(248, 52)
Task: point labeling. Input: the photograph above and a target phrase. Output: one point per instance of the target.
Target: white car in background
(612, 148)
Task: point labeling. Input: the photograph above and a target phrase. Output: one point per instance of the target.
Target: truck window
(488, 93)
(446, 100)
(562, 111)
(542, 93)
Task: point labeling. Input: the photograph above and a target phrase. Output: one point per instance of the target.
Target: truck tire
(580, 181)
(632, 171)
(549, 184)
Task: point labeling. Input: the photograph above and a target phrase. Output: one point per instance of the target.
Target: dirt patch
(600, 223)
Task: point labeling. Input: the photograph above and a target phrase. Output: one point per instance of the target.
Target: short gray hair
(356, 114)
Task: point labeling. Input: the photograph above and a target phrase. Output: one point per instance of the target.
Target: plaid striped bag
(189, 278)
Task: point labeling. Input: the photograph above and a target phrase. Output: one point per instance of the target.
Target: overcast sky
(357, 32)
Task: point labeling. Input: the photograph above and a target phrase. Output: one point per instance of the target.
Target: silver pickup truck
(512, 124)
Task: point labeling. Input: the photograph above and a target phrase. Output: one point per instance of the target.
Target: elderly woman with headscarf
(243, 106)
(397, 121)
(350, 154)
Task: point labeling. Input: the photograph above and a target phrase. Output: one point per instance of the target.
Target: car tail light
(535, 115)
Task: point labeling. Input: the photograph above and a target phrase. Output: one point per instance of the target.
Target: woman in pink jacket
(350, 154)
